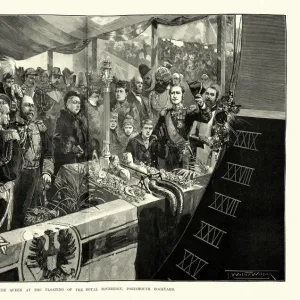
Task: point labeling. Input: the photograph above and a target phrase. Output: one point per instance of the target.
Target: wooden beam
(50, 60)
(94, 54)
(221, 40)
(154, 44)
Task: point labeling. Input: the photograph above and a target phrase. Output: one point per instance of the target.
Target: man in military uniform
(10, 164)
(174, 125)
(48, 100)
(37, 152)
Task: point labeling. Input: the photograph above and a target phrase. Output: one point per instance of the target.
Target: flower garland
(225, 114)
(117, 187)
(178, 179)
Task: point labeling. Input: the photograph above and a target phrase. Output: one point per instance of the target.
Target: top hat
(144, 69)
(67, 72)
(196, 87)
(30, 71)
(56, 71)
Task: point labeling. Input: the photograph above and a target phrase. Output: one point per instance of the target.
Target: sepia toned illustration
(142, 147)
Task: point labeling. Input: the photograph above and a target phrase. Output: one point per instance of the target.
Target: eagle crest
(51, 256)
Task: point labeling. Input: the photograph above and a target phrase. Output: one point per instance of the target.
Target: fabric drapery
(24, 36)
(237, 54)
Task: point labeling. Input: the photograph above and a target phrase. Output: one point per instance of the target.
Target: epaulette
(10, 135)
(41, 126)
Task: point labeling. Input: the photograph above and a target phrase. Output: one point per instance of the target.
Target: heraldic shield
(51, 254)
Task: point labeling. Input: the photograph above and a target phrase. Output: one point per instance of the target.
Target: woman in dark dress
(71, 134)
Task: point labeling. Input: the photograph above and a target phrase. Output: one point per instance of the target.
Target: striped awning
(24, 36)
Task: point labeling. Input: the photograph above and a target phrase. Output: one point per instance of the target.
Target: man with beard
(211, 96)
(160, 98)
(12, 91)
(137, 100)
(10, 163)
(148, 80)
(123, 107)
(37, 153)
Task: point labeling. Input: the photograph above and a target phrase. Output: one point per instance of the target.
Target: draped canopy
(24, 36)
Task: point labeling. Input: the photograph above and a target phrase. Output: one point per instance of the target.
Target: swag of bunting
(24, 36)
(127, 33)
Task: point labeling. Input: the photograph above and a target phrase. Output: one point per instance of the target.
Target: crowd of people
(130, 52)
(192, 60)
(56, 118)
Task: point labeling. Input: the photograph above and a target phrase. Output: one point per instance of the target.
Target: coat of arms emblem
(54, 256)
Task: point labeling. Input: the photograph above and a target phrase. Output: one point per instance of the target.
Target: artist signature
(251, 274)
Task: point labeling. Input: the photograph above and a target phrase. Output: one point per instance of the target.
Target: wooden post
(154, 44)
(221, 40)
(50, 60)
(94, 54)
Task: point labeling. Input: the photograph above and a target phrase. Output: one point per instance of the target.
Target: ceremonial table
(114, 240)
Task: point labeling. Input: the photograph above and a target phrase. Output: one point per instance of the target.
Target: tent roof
(24, 36)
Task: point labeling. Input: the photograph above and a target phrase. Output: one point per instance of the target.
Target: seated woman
(10, 163)
(71, 134)
(174, 126)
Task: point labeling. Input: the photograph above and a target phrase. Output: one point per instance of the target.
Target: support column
(106, 81)
(221, 64)
(94, 54)
(50, 60)
(154, 44)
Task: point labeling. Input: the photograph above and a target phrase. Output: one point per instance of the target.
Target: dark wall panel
(262, 76)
